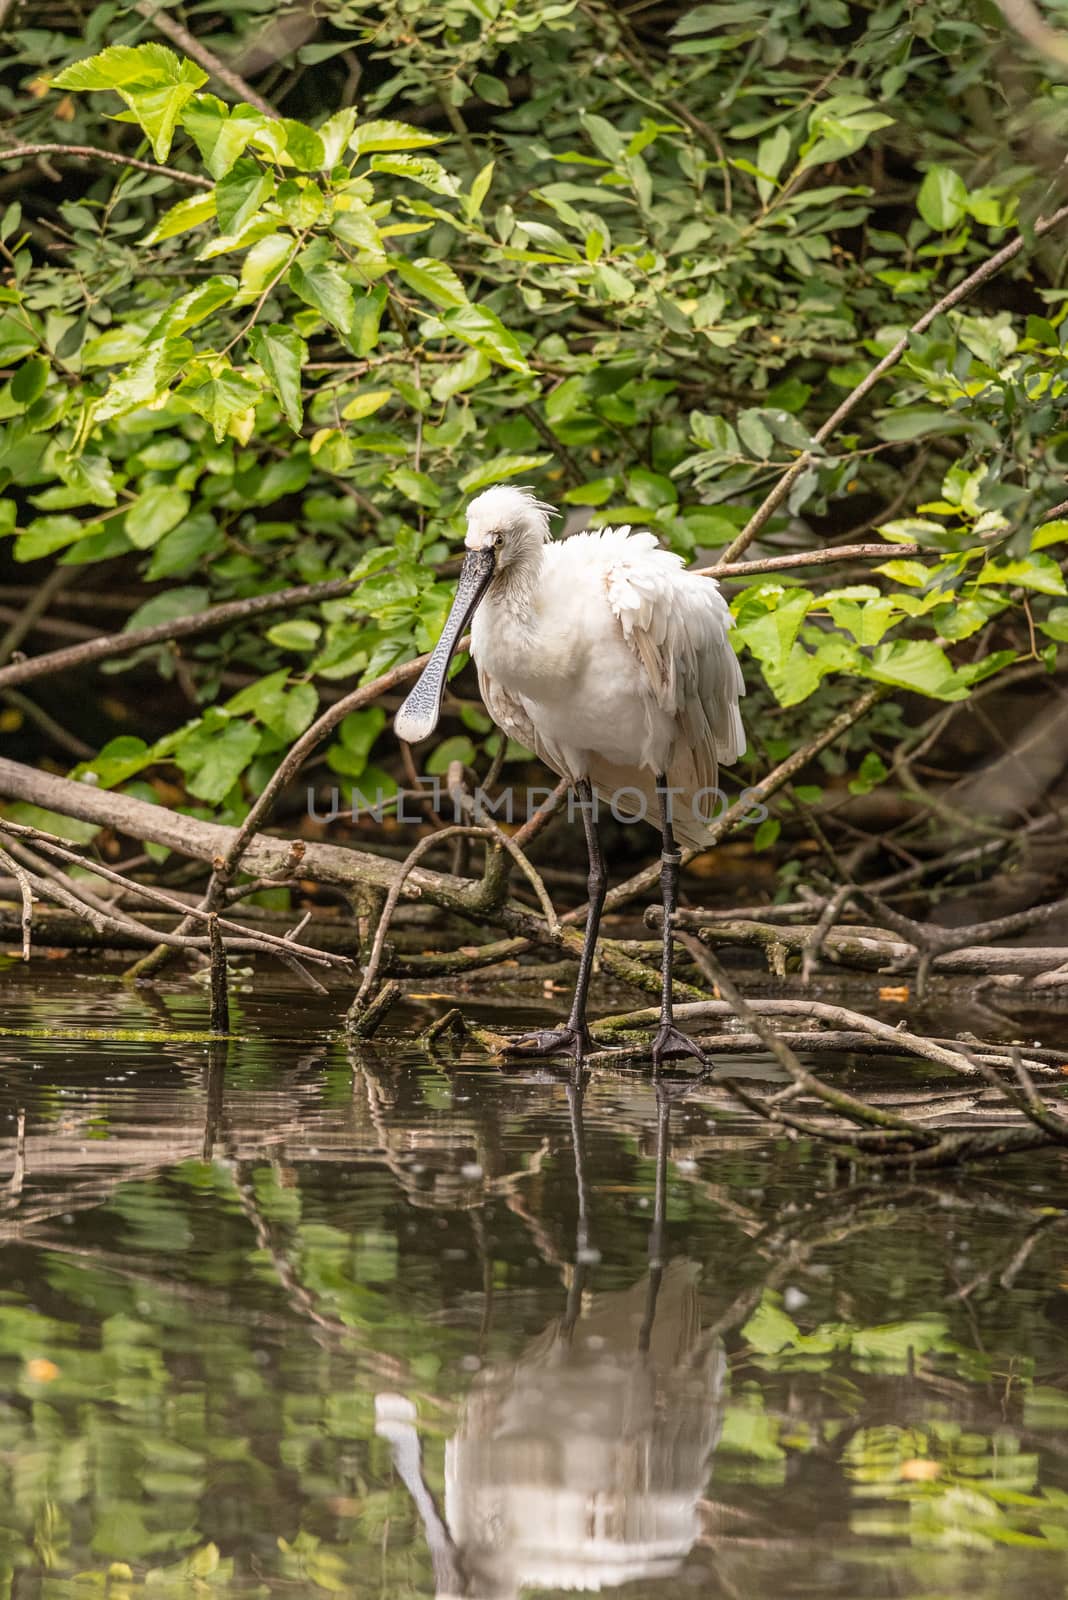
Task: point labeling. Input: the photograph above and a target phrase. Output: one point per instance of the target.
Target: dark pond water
(315, 1321)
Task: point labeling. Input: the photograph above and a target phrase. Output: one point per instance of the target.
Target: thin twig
(811, 558)
(55, 847)
(26, 891)
(106, 646)
(88, 152)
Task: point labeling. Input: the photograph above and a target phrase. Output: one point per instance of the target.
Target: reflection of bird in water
(579, 1466)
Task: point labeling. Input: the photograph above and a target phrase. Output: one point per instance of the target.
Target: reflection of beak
(418, 716)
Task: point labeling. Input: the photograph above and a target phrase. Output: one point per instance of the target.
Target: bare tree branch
(89, 152)
(108, 645)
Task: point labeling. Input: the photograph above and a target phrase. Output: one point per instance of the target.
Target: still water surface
(317, 1321)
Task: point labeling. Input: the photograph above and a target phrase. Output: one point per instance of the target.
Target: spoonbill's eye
(498, 540)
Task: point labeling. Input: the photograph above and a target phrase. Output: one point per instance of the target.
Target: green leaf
(914, 422)
(214, 754)
(356, 737)
(365, 404)
(281, 352)
(769, 1329)
(482, 328)
(220, 132)
(386, 135)
(263, 264)
(154, 82)
(145, 379)
(194, 307)
(598, 492)
(873, 771)
(167, 606)
(183, 216)
(837, 132)
(366, 318)
(767, 833)
(219, 394)
(500, 469)
(336, 133)
(1055, 625)
(917, 664)
(1049, 533)
(286, 712)
(416, 486)
(117, 762)
(1037, 572)
(863, 612)
(319, 283)
(459, 376)
(459, 748)
(122, 66)
(771, 156)
(184, 549)
(29, 381)
(755, 434)
(775, 623)
(241, 193)
(155, 513)
(434, 280)
(16, 340)
(304, 146)
(480, 185)
(423, 170)
(943, 198)
(295, 634)
(47, 534)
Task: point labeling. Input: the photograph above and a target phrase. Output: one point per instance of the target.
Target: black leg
(669, 1042)
(574, 1037)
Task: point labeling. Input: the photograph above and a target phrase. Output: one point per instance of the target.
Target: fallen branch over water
(865, 948)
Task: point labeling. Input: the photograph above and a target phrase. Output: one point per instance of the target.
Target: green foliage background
(632, 256)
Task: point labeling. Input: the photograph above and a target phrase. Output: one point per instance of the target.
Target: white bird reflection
(580, 1465)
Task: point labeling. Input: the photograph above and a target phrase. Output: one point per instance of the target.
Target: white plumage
(603, 655)
(607, 658)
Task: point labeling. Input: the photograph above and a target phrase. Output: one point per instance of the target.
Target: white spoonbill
(603, 655)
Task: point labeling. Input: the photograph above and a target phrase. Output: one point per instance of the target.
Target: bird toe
(671, 1044)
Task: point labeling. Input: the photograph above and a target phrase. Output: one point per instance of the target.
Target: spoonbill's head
(508, 521)
(503, 525)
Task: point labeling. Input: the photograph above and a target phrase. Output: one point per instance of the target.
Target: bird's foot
(572, 1041)
(671, 1044)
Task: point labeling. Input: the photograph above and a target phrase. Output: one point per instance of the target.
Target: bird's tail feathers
(631, 793)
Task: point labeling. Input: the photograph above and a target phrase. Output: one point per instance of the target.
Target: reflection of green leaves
(778, 1339)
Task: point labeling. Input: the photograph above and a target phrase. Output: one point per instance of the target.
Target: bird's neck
(515, 588)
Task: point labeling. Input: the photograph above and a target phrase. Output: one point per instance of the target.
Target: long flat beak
(418, 716)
